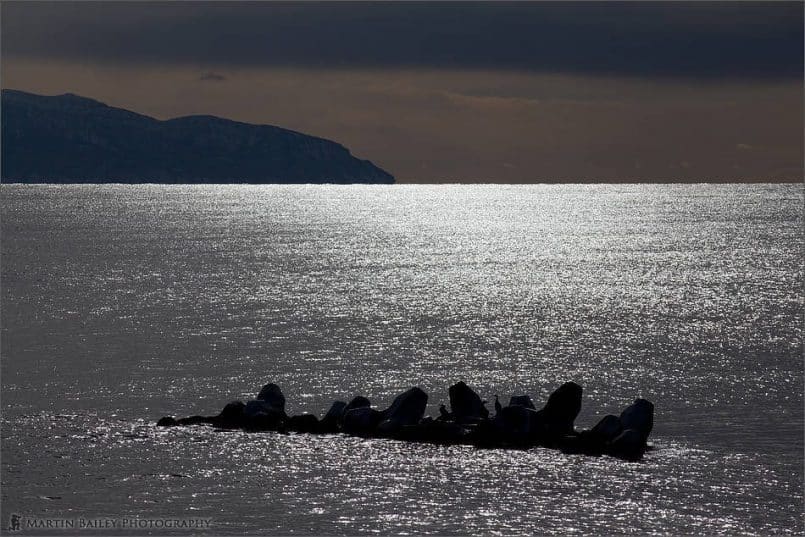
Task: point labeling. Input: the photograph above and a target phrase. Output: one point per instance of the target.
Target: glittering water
(121, 304)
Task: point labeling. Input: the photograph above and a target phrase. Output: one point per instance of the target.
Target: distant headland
(73, 139)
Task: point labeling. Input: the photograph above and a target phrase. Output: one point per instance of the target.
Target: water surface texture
(121, 304)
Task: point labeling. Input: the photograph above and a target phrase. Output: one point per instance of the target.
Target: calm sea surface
(122, 304)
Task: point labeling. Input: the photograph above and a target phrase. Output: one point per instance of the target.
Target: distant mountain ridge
(73, 139)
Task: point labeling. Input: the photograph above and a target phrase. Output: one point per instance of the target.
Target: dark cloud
(677, 39)
(212, 77)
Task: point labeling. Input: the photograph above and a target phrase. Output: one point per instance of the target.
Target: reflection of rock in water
(517, 425)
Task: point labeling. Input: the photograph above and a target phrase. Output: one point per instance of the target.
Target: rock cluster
(517, 425)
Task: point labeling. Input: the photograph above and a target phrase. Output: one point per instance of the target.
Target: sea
(125, 303)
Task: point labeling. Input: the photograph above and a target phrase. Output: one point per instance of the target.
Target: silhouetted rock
(357, 402)
(608, 428)
(486, 433)
(231, 417)
(195, 420)
(579, 444)
(167, 421)
(266, 421)
(562, 408)
(257, 406)
(434, 432)
(520, 426)
(330, 422)
(465, 404)
(260, 415)
(639, 416)
(522, 400)
(72, 139)
(595, 440)
(517, 425)
(408, 408)
(303, 423)
(629, 445)
(272, 394)
(361, 421)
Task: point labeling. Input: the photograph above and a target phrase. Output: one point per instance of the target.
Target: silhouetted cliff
(72, 139)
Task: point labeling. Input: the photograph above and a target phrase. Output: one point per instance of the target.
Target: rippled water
(121, 304)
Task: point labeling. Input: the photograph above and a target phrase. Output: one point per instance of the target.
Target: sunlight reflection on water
(122, 304)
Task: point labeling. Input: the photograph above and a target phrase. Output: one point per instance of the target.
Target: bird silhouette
(443, 411)
(498, 406)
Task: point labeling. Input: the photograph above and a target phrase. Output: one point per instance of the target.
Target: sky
(432, 92)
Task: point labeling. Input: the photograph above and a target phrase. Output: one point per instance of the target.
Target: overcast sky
(460, 92)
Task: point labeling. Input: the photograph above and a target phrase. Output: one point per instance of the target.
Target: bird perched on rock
(498, 406)
(443, 411)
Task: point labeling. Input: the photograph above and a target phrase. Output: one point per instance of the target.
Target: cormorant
(443, 411)
(498, 406)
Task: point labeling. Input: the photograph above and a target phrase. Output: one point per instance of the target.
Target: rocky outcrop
(639, 417)
(407, 409)
(466, 406)
(272, 396)
(232, 416)
(358, 401)
(595, 441)
(522, 400)
(361, 421)
(262, 416)
(518, 425)
(331, 422)
(561, 409)
(303, 423)
(72, 139)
